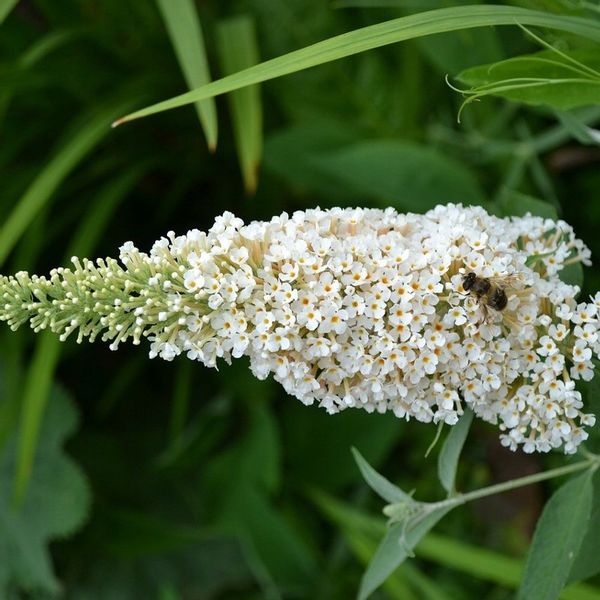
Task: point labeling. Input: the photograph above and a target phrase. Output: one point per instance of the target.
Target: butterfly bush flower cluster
(354, 308)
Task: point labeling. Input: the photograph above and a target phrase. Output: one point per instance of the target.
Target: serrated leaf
(543, 78)
(55, 506)
(393, 550)
(375, 36)
(183, 24)
(378, 483)
(450, 452)
(406, 175)
(557, 539)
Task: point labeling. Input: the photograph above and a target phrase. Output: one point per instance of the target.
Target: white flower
(354, 308)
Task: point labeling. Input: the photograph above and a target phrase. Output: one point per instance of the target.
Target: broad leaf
(406, 175)
(322, 458)
(587, 562)
(556, 80)
(515, 204)
(56, 503)
(572, 274)
(557, 539)
(450, 452)
(290, 154)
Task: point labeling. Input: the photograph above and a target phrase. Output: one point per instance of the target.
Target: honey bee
(488, 291)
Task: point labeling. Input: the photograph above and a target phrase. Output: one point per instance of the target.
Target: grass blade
(183, 24)
(35, 397)
(48, 180)
(375, 36)
(5, 7)
(238, 49)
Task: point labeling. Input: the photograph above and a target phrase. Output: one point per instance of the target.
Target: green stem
(516, 483)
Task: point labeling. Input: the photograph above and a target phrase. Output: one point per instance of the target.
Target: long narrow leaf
(450, 452)
(375, 36)
(183, 24)
(238, 49)
(35, 398)
(378, 483)
(393, 550)
(49, 179)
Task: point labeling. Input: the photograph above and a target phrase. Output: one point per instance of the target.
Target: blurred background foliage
(176, 482)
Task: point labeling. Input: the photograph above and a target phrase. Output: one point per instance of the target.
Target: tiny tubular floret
(361, 308)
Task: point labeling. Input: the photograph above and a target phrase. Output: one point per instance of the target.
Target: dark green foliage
(56, 505)
(212, 485)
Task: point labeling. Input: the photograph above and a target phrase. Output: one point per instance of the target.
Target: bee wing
(505, 281)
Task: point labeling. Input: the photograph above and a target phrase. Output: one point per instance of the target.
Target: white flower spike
(360, 308)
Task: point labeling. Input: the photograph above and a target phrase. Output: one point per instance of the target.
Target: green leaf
(183, 24)
(328, 464)
(394, 549)
(515, 204)
(375, 36)
(406, 175)
(35, 398)
(578, 129)
(5, 7)
(269, 538)
(572, 274)
(38, 194)
(292, 154)
(102, 207)
(386, 3)
(454, 554)
(450, 452)
(55, 506)
(558, 536)
(378, 483)
(48, 347)
(544, 78)
(238, 49)
(587, 561)
(449, 52)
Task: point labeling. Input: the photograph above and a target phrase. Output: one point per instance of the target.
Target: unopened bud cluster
(360, 308)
